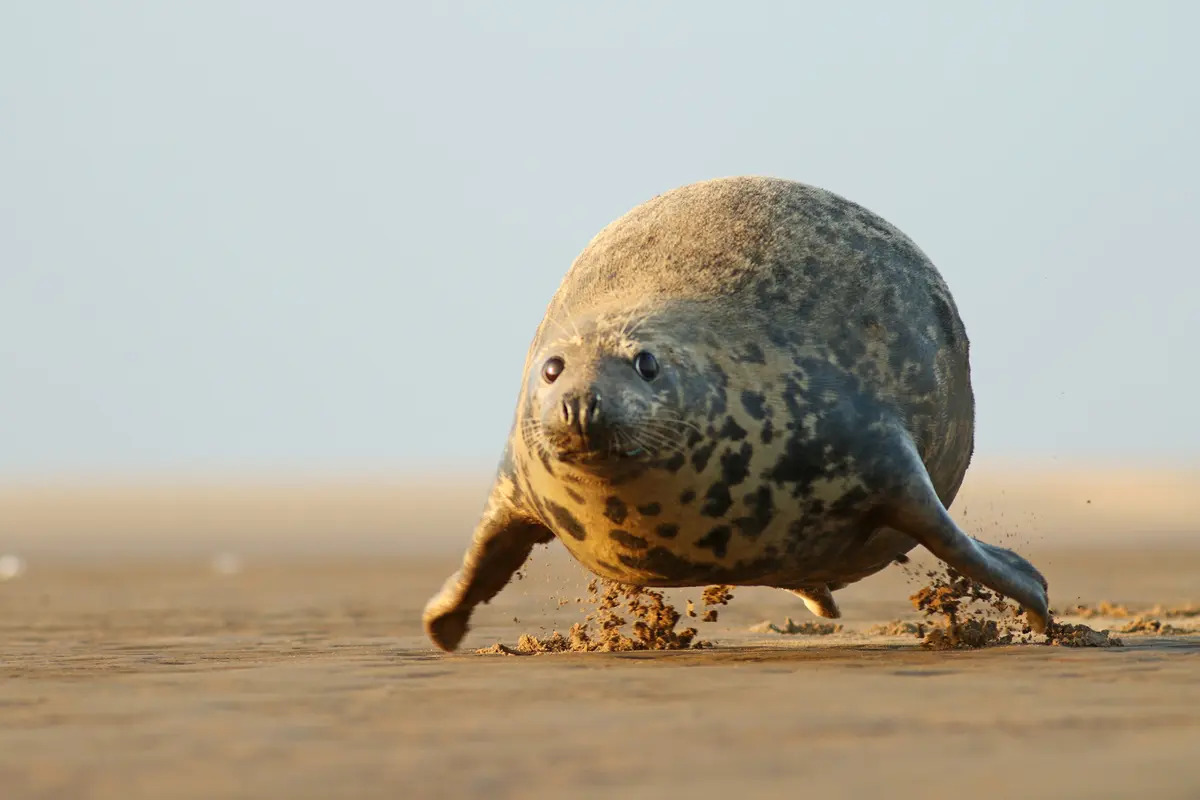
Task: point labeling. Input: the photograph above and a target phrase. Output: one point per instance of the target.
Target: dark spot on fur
(576, 496)
(921, 380)
(735, 464)
(717, 406)
(731, 430)
(767, 433)
(801, 462)
(650, 509)
(762, 510)
(777, 335)
(796, 534)
(901, 559)
(566, 520)
(750, 353)
(674, 463)
(627, 539)
(716, 500)
(701, 455)
(667, 530)
(716, 540)
(614, 509)
(716, 375)
(754, 403)
(687, 496)
(540, 505)
(850, 502)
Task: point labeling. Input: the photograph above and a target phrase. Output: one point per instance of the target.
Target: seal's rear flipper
(819, 601)
(917, 511)
(503, 540)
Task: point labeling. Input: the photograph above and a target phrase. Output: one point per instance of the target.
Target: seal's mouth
(594, 456)
(603, 448)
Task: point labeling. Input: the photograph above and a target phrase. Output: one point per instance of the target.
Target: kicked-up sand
(257, 641)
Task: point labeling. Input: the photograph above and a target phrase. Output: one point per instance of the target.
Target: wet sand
(146, 672)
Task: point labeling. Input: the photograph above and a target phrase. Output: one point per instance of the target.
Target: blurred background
(273, 266)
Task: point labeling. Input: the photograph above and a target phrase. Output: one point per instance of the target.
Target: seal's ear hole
(646, 366)
(552, 369)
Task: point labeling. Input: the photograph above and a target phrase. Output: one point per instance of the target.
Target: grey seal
(746, 381)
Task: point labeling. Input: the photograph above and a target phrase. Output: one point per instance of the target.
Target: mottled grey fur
(811, 421)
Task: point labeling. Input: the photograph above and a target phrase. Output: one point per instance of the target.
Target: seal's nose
(581, 411)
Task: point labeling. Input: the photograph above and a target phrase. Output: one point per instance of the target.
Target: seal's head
(605, 394)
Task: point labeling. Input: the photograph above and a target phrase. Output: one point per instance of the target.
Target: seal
(746, 381)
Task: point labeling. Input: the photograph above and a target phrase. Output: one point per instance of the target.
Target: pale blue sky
(318, 236)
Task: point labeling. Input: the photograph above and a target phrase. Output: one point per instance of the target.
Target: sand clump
(1116, 611)
(897, 627)
(654, 623)
(718, 595)
(1153, 626)
(1147, 620)
(1064, 634)
(968, 633)
(801, 628)
(963, 613)
(1188, 611)
(960, 613)
(1101, 609)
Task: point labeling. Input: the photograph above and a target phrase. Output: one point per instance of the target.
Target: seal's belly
(759, 535)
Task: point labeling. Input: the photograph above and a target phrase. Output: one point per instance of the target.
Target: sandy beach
(285, 287)
(271, 647)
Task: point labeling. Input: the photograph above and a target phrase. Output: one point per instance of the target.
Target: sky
(277, 235)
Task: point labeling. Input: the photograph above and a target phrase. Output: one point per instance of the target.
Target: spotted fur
(816, 387)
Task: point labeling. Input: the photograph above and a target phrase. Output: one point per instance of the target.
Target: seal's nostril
(593, 408)
(566, 411)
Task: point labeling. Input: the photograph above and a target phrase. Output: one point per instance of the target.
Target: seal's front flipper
(503, 540)
(918, 512)
(819, 601)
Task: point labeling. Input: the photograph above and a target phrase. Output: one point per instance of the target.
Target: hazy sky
(319, 236)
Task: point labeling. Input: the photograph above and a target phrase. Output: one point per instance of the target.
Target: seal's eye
(552, 369)
(646, 366)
